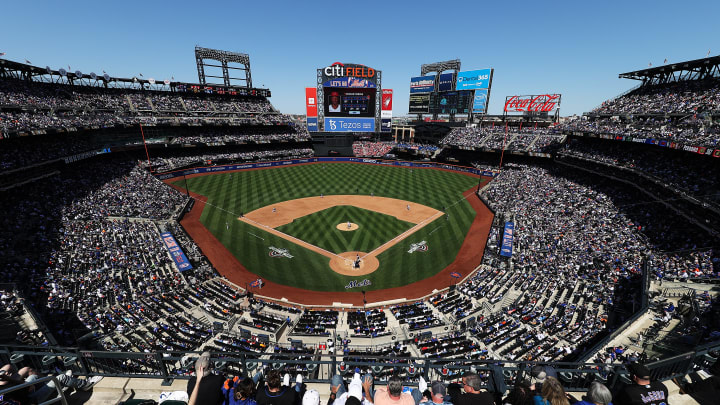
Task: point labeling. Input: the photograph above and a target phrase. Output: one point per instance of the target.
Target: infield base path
(272, 216)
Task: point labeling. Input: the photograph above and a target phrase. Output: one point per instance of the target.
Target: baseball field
(324, 226)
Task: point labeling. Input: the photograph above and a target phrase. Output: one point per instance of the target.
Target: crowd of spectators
(516, 139)
(163, 164)
(683, 173)
(577, 250)
(372, 149)
(685, 97)
(26, 106)
(677, 112)
(213, 138)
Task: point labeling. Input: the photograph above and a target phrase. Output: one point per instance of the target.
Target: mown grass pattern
(230, 194)
(320, 229)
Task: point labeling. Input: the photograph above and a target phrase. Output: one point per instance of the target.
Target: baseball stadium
(338, 236)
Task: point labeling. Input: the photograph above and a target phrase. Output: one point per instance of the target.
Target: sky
(574, 48)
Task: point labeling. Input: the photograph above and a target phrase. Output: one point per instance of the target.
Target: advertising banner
(349, 124)
(534, 103)
(480, 101)
(181, 261)
(445, 82)
(350, 83)
(422, 84)
(311, 102)
(386, 125)
(474, 79)
(419, 104)
(312, 124)
(387, 99)
(507, 240)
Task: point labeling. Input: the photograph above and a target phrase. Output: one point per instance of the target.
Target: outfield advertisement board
(312, 124)
(480, 101)
(474, 79)
(341, 124)
(422, 84)
(446, 82)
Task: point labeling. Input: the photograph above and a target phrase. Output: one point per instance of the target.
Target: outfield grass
(320, 229)
(230, 194)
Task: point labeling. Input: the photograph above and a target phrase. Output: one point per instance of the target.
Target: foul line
(278, 233)
(297, 241)
(404, 235)
(256, 236)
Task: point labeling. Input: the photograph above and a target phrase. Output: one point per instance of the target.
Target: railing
(44, 380)
(497, 375)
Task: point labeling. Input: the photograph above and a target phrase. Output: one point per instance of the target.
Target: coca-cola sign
(540, 103)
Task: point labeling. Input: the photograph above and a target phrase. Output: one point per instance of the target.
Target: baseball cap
(334, 93)
(538, 376)
(438, 388)
(639, 370)
(311, 397)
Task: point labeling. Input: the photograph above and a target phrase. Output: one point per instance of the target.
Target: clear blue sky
(574, 48)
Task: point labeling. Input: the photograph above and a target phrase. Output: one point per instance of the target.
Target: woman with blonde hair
(552, 393)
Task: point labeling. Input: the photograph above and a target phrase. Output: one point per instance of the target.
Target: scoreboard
(341, 102)
(348, 98)
(451, 102)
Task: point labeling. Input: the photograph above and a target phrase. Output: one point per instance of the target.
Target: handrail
(60, 398)
(320, 367)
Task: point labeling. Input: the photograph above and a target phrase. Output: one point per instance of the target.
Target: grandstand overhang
(697, 69)
(23, 71)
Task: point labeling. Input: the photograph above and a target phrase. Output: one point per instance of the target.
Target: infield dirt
(272, 216)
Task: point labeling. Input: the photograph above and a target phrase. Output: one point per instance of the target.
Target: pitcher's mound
(344, 263)
(347, 226)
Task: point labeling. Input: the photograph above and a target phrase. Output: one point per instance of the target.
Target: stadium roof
(50, 75)
(697, 69)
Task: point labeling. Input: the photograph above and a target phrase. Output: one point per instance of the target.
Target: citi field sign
(338, 69)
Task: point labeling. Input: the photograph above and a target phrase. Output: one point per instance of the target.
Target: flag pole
(502, 153)
(145, 144)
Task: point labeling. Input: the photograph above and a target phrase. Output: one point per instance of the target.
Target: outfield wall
(280, 163)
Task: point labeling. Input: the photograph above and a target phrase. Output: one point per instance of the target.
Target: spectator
(472, 385)
(393, 394)
(643, 391)
(239, 391)
(438, 392)
(521, 394)
(273, 393)
(552, 393)
(311, 397)
(598, 394)
(206, 386)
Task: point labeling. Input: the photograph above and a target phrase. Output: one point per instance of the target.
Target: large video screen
(348, 102)
(474, 79)
(419, 103)
(451, 102)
